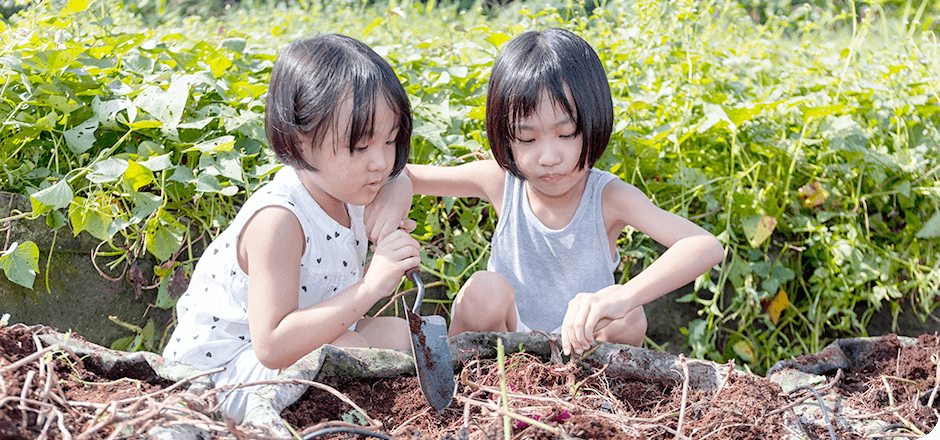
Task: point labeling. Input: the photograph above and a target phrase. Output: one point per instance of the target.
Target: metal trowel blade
(432, 359)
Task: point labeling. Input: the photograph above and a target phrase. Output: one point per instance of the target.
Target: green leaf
(74, 6)
(810, 113)
(20, 263)
(844, 133)
(226, 164)
(221, 143)
(124, 344)
(137, 175)
(106, 111)
(167, 105)
(497, 39)
(744, 350)
(56, 196)
(84, 215)
(81, 137)
(147, 335)
(55, 59)
(740, 115)
(932, 228)
(715, 116)
(158, 163)
(60, 102)
(207, 183)
(55, 220)
(164, 301)
(698, 337)
(375, 22)
(758, 228)
(47, 122)
(183, 174)
(140, 125)
(109, 170)
(164, 236)
(144, 204)
(235, 44)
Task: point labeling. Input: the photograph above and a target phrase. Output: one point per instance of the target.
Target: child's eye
(524, 141)
(568, 136)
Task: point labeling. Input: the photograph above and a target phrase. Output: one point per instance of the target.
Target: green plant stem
(14, 217)
(113, 382)
(128, 326)
(49, 260)
(291, 429)
(104, 153)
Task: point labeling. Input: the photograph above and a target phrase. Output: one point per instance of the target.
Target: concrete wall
(76, 298)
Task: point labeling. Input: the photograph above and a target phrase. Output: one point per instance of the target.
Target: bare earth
(891, 382)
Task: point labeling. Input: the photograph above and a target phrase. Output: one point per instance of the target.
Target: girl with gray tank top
(549, 116)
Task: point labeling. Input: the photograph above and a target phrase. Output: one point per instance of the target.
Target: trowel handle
(414, 274)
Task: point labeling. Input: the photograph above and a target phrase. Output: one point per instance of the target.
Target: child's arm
(483, 179)
(270, 251)
(691, 252)
(390, 208)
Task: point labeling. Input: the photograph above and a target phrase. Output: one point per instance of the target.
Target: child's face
(547, 150)
(353, 177)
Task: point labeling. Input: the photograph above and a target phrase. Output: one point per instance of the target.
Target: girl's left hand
(389, 210)
(587, 314)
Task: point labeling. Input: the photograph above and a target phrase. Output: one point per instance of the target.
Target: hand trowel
(430, 349)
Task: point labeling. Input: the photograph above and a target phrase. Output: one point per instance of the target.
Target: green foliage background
(806, 139)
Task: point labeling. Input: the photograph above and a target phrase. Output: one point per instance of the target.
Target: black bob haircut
(310, 80)
(547, 62)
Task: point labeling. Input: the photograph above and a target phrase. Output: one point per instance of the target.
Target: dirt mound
(49, 391)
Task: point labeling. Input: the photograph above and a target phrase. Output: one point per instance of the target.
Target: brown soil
(891, 382)
(59, 388)
(586, 403)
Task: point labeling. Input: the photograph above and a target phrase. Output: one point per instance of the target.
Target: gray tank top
(548, 267)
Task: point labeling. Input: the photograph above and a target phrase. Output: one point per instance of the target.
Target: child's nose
(381, 158)
(550, 155)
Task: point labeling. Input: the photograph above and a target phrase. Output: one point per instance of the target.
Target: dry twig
(685, 394)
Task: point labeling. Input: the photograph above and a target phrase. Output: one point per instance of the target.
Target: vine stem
(14, 217)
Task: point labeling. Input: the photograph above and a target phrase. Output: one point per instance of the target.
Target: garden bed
(890, 389)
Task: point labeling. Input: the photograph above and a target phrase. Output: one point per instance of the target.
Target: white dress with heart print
(213, 328)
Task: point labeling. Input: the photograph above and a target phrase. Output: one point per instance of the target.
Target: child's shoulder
(284, 190)
(617, 191)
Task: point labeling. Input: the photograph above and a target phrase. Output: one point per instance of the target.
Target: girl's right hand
(395, 253)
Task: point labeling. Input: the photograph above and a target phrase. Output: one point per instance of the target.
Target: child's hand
(394, 254)
(587, 314)
(389, 210)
